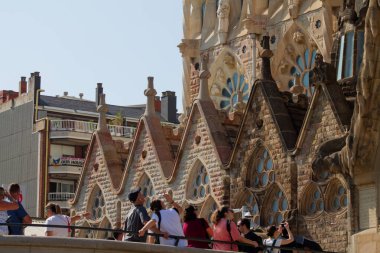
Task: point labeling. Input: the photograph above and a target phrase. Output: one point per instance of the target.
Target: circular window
(276, 208)
(262, 170)
(312, 202)
(337, 196)
(200, 187)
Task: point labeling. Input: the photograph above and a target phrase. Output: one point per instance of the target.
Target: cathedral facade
(277, 118)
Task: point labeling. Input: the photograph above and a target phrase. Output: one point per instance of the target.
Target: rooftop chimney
(65, 93)
(98, 92)
(22, 85)
(169, 106)
(157, 104)
(81, 95)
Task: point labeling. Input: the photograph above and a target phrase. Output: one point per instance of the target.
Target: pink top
(221, 233)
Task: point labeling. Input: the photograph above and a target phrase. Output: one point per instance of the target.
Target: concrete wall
(19, 152)
(26, 244)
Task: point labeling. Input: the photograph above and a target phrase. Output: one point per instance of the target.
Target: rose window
(98, 205)
(231, 91)
(263, 172)
(303, 70)
(200, 186)
(147, 190)
(278, 206)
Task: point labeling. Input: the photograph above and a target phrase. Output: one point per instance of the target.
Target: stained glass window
(278, 204)
(231, 91)
(262, 169)
(200, 186)
(147, 190)
(98, 205)
(253, 207)
(337, 197)
(313, 201)
(303, 69)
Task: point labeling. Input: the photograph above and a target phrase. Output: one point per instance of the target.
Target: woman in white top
(4, 207)
(168, 221)
(275, 239)
(55, 217)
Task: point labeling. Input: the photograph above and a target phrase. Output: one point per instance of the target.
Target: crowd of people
(226, 234)
(164, 223)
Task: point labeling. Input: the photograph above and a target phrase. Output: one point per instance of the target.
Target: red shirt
(221, 234)
(197, 229)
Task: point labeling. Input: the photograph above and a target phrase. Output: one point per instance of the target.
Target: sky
(75, 44)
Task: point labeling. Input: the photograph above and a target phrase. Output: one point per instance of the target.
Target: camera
(282, 225)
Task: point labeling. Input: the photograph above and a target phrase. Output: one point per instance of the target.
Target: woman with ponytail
(225, 229)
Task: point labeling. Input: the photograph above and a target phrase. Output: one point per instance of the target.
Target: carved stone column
(150, 93)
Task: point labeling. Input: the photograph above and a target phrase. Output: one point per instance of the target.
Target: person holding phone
(275, 239)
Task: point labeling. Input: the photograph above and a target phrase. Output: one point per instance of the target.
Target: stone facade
(262, 140)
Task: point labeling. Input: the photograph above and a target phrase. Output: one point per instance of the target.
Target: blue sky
(75, 44)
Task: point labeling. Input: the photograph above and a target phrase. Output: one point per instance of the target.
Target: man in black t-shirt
(244, 228)
(137, 216)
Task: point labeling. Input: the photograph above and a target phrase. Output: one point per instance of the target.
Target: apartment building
(44, 139)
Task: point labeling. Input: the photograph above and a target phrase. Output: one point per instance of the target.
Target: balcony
(82, 130)
(66, 166)
(60, 196)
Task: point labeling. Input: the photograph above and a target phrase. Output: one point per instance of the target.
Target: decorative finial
(266, 54)
(204, 75)
(102, 109)
(150, 93)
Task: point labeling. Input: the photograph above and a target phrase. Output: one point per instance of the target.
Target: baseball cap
(133, 194)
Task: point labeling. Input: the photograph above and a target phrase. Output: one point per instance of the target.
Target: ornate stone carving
(223, 18)
(293, 6)
(299, 37)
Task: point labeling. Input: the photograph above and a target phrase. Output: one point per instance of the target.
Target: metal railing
(90, 127)
(263, 247)
(60, 196)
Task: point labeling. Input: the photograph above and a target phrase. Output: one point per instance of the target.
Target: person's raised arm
(291, 238)
(12, 205)
(172, 202)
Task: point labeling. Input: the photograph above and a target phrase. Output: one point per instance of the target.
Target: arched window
(199, 183)
(336, 196)
(262, 172)
(302, 69)
(231, 91)
(104, 234)
(147, 189)
(275, 205)
(312, 200)
(86, 233)
(253, 207)
(96, 204)
(209, 206)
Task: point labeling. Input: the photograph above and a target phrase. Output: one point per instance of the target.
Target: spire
(266, 54)
(102, 109)
(204, 75)
(150, 93)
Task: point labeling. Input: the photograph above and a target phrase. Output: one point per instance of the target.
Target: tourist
(244, 228)
(225, 230)
(275, 239)
(137, 216)
(5, 206)
(55, 218)
(197, 228)
(168, 221)
(19, 216)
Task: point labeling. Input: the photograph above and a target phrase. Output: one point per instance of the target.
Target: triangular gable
(338, 104)
(111, 159)
(215, 130)
(160, 145)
